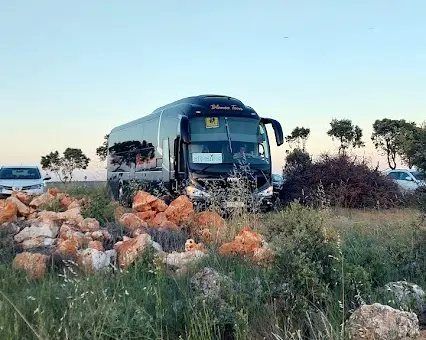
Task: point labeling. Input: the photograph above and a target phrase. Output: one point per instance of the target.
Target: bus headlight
(193, 192)
(266, 192)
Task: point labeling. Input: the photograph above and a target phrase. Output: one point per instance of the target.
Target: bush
(310, 273)
(339, 181)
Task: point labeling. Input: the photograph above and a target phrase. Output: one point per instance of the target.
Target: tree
(102, 151)
(299, 135)
(346, 133)
(412, 148)
(64, 166)
(386, 136)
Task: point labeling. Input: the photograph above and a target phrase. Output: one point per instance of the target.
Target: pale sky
(71, 71)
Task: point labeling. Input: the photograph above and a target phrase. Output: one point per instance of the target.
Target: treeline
(342, 179)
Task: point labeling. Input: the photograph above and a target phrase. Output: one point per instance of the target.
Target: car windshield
(19, 173)
(418, 175)
(220, 140)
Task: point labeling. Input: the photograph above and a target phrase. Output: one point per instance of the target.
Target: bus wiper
(210, 165)
(228, 134)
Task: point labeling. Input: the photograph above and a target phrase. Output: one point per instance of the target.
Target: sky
(71, 71)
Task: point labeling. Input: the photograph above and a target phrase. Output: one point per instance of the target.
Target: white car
(408, 180)
(21, 178)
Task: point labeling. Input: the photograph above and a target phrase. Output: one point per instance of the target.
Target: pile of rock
(42, 235)
(149, 211)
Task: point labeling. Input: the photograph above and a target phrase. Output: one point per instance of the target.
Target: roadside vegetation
(341, 233)
(328, 261)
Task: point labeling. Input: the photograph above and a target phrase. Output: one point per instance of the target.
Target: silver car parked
(21, 178)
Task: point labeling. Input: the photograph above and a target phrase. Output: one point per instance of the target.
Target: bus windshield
(228, 140)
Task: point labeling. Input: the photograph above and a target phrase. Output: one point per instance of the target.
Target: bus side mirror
(184, 129)
(277, 129)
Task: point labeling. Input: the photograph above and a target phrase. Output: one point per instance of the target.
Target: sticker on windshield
(207, 158)
(212, 122)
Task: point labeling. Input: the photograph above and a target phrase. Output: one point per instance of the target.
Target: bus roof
(202, 102)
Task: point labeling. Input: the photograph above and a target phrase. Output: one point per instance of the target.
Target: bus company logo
(232, 107)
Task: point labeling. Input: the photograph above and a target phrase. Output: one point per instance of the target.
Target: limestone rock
(34, 264)
(208, 283)
(89, 225)
(409, 296)
(38, 242)
(45, 199)
(183, 259)
(131, 222)
(382, 322)
(180, 210)
(8, 211)
(130, 249)
(23, 210)
(22, 196)
(91, 260)
(142, 201)
(37, 229)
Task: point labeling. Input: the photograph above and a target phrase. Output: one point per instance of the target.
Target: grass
(327, 262)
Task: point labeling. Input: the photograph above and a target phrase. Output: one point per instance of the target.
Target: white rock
(38, 229)
(38, 242)
(382, 322)
(157, 246)
(182, 259)
(93, 259)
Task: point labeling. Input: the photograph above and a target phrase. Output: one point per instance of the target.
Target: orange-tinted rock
(180, 210)
(67, 233)
(101, 236)
(118, 212)
(169, 225)
(233, 248)
(89, 225)
(190, 245)
(159, 205)
(146, 215)
(142, 201)
(249, 238)
(159, 219)
(23, 210)
(139, 231)
(53, 191)
(209, 219)
(68, 247)
(129, 250)
(43, 200)
(245, 243)
(96, 245)
(71, 215)
(210, 226)
(74, 205)
(131, 222)
(8, 211)
(22, 196)
(263, 256)
(34, 264)
(65, 201)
